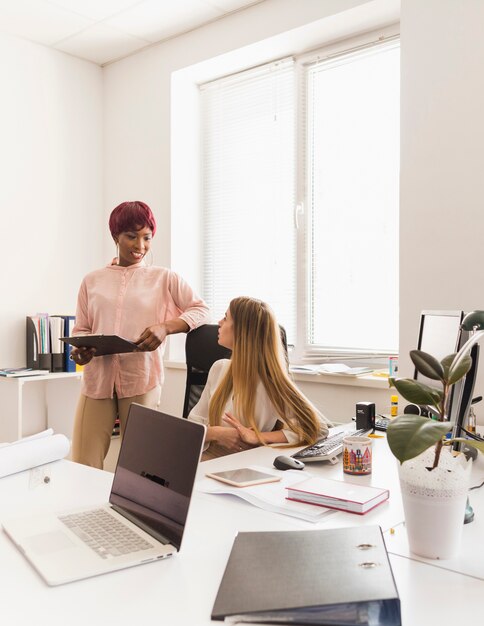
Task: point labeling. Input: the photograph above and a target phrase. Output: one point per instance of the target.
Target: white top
(265, 414)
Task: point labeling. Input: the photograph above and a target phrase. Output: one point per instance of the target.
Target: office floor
(112, 456)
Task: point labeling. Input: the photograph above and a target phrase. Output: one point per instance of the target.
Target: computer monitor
(464, 390)
(440, 335)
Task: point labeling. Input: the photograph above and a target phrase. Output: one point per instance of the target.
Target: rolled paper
(32, 452)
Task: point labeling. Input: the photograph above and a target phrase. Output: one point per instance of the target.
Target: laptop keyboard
(104, 534)
(327, 449)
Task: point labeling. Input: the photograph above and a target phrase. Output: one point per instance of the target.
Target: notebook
(150, 497)
(337, 494)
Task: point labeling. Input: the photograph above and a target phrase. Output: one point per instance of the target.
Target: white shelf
(32, 403)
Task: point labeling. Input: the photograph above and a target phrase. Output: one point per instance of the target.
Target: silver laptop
(147, 511)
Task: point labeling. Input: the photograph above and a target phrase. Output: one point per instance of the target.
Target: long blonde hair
(258, 355)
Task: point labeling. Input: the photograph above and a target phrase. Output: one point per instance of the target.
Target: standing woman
(137, 301)
(250, 399)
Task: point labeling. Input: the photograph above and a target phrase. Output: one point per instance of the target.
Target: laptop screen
(156, 471)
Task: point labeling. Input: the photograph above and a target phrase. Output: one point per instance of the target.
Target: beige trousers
(94, 421)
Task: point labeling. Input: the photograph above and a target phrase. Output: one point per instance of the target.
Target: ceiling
(103, 31)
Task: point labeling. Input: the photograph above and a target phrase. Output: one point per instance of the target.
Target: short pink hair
(131, 216)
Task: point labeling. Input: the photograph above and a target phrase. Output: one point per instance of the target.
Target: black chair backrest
(202, 350)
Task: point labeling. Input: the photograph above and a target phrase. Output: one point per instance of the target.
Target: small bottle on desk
(471, 421)
(394, 406)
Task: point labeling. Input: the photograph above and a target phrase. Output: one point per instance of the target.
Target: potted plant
(433, 477)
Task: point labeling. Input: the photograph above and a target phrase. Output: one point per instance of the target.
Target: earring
(151, 258)
(116, 259)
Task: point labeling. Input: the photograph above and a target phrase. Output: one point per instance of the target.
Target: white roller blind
(353, 200)
(248, 176)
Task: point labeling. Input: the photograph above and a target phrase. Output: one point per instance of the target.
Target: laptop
(147, 511)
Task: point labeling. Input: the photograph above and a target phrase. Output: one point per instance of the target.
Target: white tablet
(243, 477)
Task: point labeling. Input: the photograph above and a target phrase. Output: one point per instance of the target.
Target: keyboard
(327, 449)
(381, 422)
(104, 534)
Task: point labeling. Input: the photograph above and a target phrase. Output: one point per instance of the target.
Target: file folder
(32, 343)
(310, 577)
(57, 327)
(69, 323)
(37, 342)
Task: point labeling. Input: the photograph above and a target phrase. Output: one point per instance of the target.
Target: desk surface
(180, 591)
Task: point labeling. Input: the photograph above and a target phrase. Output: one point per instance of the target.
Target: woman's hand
(227, 437)
(82, 356)
(247, 435)
(152, 337)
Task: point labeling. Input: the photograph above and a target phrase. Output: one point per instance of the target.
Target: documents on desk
(335, 576)
(29, 452)
(21, 372)
(337, 494)
(269, 496)
(330, 368)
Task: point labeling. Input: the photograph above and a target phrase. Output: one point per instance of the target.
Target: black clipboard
(104, 344)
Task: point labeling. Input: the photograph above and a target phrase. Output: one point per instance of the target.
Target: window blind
(248, 190)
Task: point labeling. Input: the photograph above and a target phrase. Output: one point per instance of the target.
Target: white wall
(442, 181)
(51, 164)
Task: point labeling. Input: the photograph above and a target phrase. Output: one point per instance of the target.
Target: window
(248, 139)
(307, 220)
(352, 201)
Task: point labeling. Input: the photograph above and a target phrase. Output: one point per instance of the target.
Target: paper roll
(31, 452)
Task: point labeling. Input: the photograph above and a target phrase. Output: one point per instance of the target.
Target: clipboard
(104, 344)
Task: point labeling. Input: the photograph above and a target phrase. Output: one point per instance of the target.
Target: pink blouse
(124, 301)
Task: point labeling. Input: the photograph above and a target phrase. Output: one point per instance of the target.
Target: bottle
(394, 406)
(392, 365)
(471, 421)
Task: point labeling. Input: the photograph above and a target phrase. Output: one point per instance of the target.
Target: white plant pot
(434, 502)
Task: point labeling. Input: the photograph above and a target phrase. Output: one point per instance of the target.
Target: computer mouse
(287, 462)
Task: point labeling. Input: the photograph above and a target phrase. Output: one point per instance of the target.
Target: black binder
(311, 577)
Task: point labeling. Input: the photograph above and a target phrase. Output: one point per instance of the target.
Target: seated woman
(250, 400)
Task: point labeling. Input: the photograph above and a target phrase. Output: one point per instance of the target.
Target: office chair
(202, 350)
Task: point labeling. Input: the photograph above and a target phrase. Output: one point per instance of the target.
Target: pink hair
(129, 216)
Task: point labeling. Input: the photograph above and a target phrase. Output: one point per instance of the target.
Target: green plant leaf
(409, 435)
(459, 368)
(473, 443)
(446, 363)
(416, 392)
(427, 365)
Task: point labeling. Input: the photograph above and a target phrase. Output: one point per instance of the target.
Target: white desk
(181, 590)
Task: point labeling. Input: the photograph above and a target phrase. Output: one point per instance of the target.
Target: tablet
(243, 477)
(104, 344)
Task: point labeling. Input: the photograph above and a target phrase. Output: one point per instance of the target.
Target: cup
(357, 455)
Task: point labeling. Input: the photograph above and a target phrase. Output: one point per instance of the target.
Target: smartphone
(243, 477)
